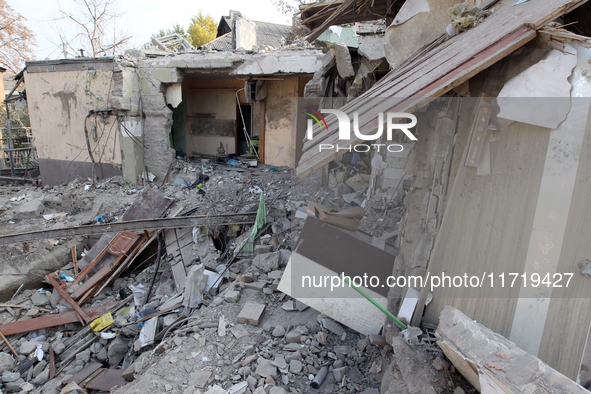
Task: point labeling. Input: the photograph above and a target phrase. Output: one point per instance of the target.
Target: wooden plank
(107, 380)
(160, 312)
(462, 55)
(311, 159)
(68, 299)
(91, 283)
(85, 372)
(118, 247)
(150, 204)
(52, 320)
(475, 200)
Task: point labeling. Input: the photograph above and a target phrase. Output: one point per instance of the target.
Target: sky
(140, 18)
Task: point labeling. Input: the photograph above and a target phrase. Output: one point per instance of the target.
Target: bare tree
(16, 40)
(95, 21)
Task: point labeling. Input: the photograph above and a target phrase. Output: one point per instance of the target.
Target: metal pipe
(377, 304)
(319, 378)
(133, 225)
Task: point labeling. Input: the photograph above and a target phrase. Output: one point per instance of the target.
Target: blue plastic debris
(178, 181)
(233, 163)
(100, 219)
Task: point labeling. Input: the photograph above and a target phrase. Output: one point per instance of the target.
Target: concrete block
(232, 296)
(378, 340)
(200, 378)
(473, 348)
(255, 286)
(372, 47)
(251, 313)
(28, 347)
(343, 59)
(31, 208)
(262, 249)
(268, 261)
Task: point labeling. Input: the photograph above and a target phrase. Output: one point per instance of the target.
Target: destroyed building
(129, 108)
(177, 236)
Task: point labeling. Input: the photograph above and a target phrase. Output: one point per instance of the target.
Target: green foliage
(202, 29)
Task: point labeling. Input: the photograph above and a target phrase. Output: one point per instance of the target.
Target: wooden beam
(52, 320)
(67, 297)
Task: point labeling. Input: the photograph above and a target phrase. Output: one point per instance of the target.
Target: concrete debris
(343, 61)
(473, 349)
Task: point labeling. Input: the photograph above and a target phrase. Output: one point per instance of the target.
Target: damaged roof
(268, 35)
(436, 69)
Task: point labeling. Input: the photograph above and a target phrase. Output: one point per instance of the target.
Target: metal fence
(24, 154)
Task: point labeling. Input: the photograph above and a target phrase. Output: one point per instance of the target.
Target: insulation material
(547, 78)
(464, 16)
(174, 95)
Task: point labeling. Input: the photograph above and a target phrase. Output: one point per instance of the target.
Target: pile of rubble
(189, 309)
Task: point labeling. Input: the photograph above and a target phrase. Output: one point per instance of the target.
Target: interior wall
(216, 99)
(278, 121)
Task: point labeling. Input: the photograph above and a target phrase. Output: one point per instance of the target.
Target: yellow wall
(278, 121)
(215, 96)
(58, 105)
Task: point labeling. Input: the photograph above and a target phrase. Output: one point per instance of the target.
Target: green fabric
(246, 248)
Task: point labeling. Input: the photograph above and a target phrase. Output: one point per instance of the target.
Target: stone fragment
(6, 362)
(293, 337)
(117, 350)
(279, 362)
(278, 332)
(266, 369)
(267, 262)
(338, 373)
(39, 299)
(295, 367)
(232, 296)
(10, 376)
(31, 209)
(200, 378)
(42, 378)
